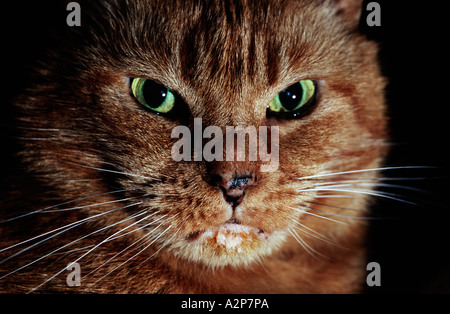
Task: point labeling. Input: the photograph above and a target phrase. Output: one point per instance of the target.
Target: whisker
(378, 179)
(73, 250)
(305, 245)
(364, 170)
(96, 246)
(319, 216)
(163, 245)
(117, 254)
(398, 186)
(333, 206)
(77, 180)
(363, 192)
(313, 233)
(123, 263)
(366, 182)
(338, 215)
(342, 208)
(129, 246)
(65, 230)
(68, 202)
(141, 227)
(90, 205)
(68, 226)
(113, 171)
(336, 196)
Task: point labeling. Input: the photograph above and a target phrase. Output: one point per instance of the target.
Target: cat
(100, 187)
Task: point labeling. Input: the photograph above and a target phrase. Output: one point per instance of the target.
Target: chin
(230, 244)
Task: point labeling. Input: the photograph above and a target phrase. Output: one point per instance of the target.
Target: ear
(350, 10)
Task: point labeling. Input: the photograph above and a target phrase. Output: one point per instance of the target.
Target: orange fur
(227, 60)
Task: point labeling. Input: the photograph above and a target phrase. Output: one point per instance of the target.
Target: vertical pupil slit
(154, 93)
(291, 96)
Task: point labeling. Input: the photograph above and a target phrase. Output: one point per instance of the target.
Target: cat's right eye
(152, 95)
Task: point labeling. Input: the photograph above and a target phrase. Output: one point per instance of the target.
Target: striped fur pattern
(100, 187)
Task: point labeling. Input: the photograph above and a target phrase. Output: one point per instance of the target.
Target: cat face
(136, 70)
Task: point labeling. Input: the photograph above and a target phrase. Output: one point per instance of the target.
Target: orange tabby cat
(103, 190)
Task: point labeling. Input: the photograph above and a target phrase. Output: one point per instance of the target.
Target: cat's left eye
(152, 95)
(293, 101)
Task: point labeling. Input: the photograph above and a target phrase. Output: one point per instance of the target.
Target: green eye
(152, 95)
(294, 100)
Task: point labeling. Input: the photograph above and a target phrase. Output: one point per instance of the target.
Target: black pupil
(154, 93)
(291, 96)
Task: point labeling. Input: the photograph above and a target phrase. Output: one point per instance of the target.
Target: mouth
(230, 236)
(232, 243)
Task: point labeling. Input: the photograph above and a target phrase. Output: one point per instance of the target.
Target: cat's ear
(350, 10)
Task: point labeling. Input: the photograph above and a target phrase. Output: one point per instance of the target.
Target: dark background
(409, 242)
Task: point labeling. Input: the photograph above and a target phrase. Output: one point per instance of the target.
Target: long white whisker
(84, 220)
(151, 243)
(164, 244)
(86, 206)
(68, 226)
(305, 245)
(110, 259)
(63, 228)
(141, 227)
(96, 246)
(319, 216)
(113, 171)
(375, 179)
(338, 215)
(368, 183)
(333, 206)
(361, 191)
(68, 202)
(362, 170)
(129, 246)
(398, 186)
(73, 250)
(299, 226)
(336, 196)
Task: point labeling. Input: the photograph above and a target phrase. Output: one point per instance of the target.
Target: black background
(411, 245)
(410, 242)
